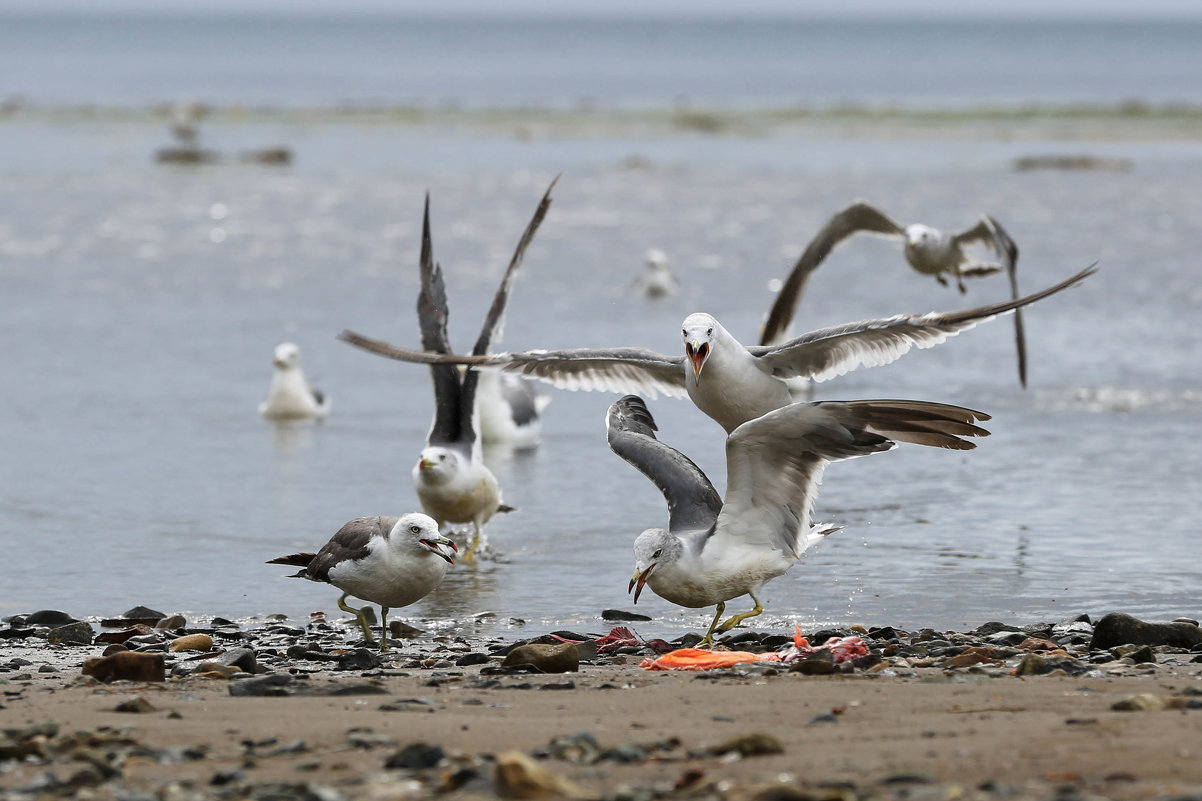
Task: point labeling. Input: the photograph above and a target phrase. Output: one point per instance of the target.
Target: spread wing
(774, 463)
(494, 320)
(856, 218)
(448, 427)
(831, 352)
(693, 503)
(589, 369)
(990, 232)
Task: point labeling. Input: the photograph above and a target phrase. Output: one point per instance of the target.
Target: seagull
(715, 550)
(452, 481)
(390, 561)
(728, 381)
(928, 250)
(657, 280)
(510, 409)
(290, 396)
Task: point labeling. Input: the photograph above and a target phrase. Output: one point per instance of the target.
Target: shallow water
(142, 306)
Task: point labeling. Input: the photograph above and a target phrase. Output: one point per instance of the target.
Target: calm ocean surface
(141, 305)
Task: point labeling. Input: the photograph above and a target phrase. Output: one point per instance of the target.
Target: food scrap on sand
(843, 649)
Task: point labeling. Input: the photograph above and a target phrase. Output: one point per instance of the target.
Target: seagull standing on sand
(730, 382)
(390, 561)
(928, 250)
(290, 396)
(715, 550)
(452, 481)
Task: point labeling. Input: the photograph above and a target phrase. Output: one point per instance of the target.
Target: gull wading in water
(390, 561)
(452, 481)
(715, 550)
(290, 397)
(928, 250)
(730, 382)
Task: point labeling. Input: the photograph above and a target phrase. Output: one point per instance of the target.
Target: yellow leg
(383, 628)
(708, 640)
(737, 619)
(359, 615)
(469, 553)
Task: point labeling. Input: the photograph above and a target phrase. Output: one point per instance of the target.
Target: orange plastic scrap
(696, 659)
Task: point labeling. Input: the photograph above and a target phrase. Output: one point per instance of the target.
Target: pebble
(126, 666)
(190, 642)
(543, 658)
(77, 633)
(1118, 628)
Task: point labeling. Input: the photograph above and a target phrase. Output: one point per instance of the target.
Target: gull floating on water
(290, 397)
(715, 550)
(656, 280)
(730, 382)
(928, 250)
(390, 561)
(452, 481)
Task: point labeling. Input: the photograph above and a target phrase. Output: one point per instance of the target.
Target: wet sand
(925, 731)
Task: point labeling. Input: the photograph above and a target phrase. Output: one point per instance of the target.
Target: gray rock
(49, 617)
(272, 684)
(623, 615)
(417, 756)
(1118, 628)
(77, 633)
(242, 658)
(472, 659)
(359, 659)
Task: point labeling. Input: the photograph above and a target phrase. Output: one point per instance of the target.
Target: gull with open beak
(716, 549)
(390, 561)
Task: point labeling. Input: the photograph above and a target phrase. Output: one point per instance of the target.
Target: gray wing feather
(831, 352)
(693, 503)
(348, 543)
(775, 462)
(432, 313)
(856, 218)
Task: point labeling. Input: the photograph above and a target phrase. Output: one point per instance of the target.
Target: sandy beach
(931, 727)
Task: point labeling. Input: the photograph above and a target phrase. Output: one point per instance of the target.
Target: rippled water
(141, 307)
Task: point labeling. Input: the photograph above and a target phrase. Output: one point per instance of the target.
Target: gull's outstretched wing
(447, 428)
(990, 232)
(856, 218)
(831, 352)
(588, 369)
(693, 503)
(775, 462)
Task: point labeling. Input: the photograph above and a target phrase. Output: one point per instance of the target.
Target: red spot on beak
(638, 581)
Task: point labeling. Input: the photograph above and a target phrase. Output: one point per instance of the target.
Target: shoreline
(1001, 712)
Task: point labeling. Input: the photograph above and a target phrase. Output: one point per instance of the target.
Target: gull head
(920, 237)
(287, 356)
(654, 547)
(418, 532)
(436, 465)
(698, 334)
(656, 259)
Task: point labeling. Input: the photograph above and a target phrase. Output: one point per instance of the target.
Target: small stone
(753, 744)
(144, 612)
(272, 684)
(120, 636)
(359, 659)
(623, 616)
(136, 705)
(472, 659)
(242, 658)
(518, 776)
(417, 756)
(1118, 628)
(544, 658)
(172, 622)
(78, 633)
(1147, 702)
(191, 642)
(126, 666)
(1034, 664)
(400, 630)
(51, 618)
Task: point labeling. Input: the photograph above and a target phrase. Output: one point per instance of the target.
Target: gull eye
(709, 332)
(416, 529)
(658, 552)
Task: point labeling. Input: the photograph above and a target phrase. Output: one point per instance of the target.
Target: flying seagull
(453, 483)
(290, 397)
(928, 250)
(715, 550)
(390, 561)
(728, 381)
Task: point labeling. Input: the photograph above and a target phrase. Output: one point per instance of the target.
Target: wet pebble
(126, 666)
(1118, 628)
(191, 642)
